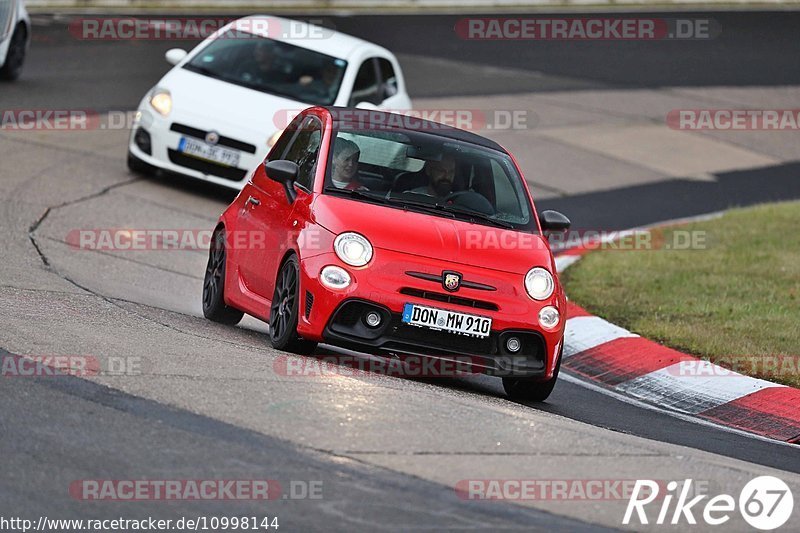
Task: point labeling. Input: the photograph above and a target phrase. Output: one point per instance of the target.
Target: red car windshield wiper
(454, 210)
(357, 193)
(475, 215)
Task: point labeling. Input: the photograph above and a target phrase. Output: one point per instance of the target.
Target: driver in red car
(440, 174)
(345, 165)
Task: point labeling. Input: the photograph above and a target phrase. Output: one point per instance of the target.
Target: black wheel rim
(212, 283)
(284, 302)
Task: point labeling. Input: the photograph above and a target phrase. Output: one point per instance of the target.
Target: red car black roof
(355, 118)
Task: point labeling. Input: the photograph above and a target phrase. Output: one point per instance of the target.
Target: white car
(217, 112)
(15, 37)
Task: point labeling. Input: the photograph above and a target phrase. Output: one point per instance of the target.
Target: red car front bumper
(393, 279)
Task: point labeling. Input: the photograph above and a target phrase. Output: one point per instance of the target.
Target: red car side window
(304, 150)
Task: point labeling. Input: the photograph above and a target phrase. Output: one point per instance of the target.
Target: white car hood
(230, 110)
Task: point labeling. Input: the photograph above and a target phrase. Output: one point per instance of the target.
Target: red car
(389, 234)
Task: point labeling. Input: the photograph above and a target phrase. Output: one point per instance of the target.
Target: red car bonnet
(433, 236)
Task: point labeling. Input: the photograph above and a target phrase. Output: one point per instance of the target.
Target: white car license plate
(201, 150)
(452, 321)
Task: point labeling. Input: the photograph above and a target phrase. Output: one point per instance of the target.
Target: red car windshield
(431, 174)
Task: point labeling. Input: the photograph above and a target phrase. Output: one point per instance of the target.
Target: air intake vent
(309, 303)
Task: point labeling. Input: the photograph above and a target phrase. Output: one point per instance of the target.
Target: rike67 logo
(765, 503)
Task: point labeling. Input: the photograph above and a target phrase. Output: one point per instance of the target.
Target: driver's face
(442, 173)
(344, 168)
(263, 56)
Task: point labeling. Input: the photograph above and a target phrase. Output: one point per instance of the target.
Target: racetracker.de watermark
(187, 239)
(555, 489)
(137, 490)
(192, 28)
(402, 366)
(184, 239)
(770, 366)
(22, 120)
(30, 366)
(734, 119)
(430, 119)
(590, 239)
(585, 28)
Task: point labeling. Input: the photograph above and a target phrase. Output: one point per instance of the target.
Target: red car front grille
(449, 298)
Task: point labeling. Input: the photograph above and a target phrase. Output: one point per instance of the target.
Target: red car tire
(284, 311)
(214, 307)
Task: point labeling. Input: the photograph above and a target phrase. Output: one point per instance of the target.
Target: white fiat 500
(15, 37)
(218, 111)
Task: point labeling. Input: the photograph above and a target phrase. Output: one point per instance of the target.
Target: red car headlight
(353, 249)
(539, 283)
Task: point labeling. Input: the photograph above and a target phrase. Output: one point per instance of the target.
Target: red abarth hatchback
(393, 235)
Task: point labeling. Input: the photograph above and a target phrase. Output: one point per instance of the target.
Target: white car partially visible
(215, 115)
(15, 38)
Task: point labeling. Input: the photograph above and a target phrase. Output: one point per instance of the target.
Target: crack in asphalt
(38, 222)
(32, 230)
(113, 301)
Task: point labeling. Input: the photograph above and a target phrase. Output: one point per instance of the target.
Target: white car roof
(312, 37)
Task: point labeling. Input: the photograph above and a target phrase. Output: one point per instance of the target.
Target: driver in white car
(263, 67)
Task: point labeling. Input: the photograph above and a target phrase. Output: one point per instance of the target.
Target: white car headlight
(353, 249)
(539, 283)
(161, 101)
(274, 138)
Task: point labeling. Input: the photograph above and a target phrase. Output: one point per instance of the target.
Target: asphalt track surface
(57, 430)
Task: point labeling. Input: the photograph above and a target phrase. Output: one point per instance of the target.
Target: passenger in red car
(345, 165)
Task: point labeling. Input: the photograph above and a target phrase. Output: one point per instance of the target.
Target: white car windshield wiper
(202, 70)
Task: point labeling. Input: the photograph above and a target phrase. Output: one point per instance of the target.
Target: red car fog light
(549, 317)
(335, 277)
(373, 319)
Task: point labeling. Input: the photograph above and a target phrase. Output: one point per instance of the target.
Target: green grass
(739, 295)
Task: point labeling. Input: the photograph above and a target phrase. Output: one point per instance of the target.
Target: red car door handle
(254, 201)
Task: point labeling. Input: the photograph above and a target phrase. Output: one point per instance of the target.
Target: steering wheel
(471, 200)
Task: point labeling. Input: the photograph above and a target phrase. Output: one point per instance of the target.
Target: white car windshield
(271, 66)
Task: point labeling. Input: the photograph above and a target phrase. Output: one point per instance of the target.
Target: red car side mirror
(284, 172)
(553, 221)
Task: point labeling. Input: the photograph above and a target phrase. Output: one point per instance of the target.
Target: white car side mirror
(175, 55)
(367, 105)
